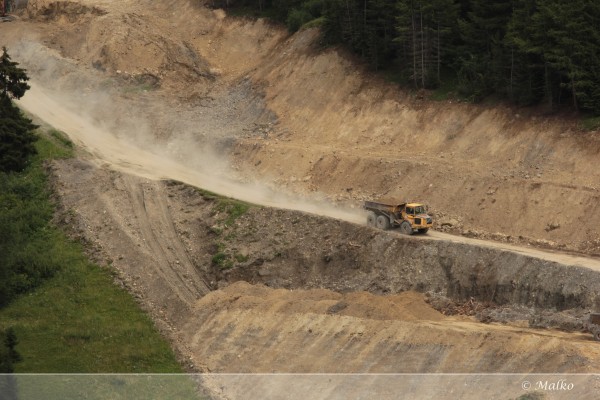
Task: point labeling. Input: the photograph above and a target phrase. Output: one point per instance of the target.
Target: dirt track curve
(106, 148)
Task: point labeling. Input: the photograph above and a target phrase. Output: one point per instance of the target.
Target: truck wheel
(383, 222)
(423, 231)
(596, 333)
(371, 219)
(406, 228)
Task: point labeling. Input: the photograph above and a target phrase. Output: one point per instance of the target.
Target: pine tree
(16, 131)
(8, 353)
(379, 28)
(525, 81)
(483, 56)
(567, 37)
(422, 27)
(12, 78)
(365, 26)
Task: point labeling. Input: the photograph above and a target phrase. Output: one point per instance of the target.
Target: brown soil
(303, 290)
(176, 90)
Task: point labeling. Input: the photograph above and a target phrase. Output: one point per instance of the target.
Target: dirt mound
(125, 44)
(61, 11)
(407, 306)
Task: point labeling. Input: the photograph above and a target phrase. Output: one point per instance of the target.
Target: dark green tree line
(525, 83)
(566, 35)
(527, 51)
(23, 238)
(481, 56)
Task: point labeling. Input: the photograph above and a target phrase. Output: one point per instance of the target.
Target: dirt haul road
(106, 148)
(183, 87)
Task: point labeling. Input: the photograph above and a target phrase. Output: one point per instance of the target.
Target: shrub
(296, 18)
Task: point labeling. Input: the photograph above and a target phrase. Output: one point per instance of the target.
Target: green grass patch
(315, 23)
(207, 195)
(53, 145)
(233, 208)
(62, 138)
(101, 387)
(80, 321)
(222, 260)
(590, 123)
(67, 313)
(240, 258)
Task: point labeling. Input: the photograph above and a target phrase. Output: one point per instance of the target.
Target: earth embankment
(295, 292)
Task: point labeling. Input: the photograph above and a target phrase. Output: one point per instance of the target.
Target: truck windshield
(420, 210)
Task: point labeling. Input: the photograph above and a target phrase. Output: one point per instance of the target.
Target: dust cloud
(136, 135)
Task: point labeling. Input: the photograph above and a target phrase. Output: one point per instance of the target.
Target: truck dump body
(384, 206)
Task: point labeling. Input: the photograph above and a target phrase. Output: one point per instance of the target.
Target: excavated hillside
(313, 120)
(159, 93)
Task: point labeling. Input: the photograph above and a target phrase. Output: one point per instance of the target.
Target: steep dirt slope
(493, 169)
(254, 329)
(326, 125)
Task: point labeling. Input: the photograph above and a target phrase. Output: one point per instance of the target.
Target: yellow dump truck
(409, 217)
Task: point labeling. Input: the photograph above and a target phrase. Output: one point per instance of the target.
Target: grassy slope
(79, 320)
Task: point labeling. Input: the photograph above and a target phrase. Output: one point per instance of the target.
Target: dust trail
(153, 163)
(140, 155)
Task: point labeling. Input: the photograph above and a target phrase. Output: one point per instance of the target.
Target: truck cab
(417, 216)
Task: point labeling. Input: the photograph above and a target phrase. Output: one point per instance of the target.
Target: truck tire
(406, 228)
(372, 219)
(383, 222)
(596, 333)
(423, 231)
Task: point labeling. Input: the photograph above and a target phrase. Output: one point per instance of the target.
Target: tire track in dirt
(156, 226)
